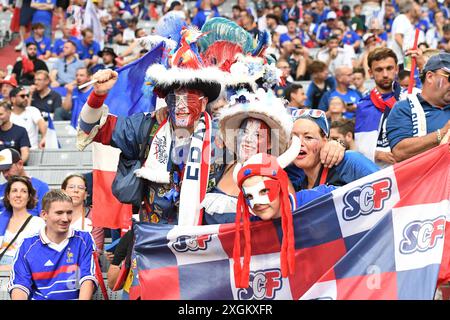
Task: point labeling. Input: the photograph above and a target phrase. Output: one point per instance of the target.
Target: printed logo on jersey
(191, 243)
(422, 235)
(362, 201)
(263, 285)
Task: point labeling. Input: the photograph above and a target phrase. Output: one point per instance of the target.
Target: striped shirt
(49, 271)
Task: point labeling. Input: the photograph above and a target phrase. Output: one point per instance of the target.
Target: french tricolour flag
(51, 139)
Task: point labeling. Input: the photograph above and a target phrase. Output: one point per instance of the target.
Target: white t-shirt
(29, 120)
(128, 35)
(33, 227)
(402, 25)
(77, 224)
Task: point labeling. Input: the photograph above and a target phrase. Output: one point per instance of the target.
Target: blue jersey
(43, 16)
(49, 271)
(314, 93)
(58, 45)
(200, 18)
(42, 46)
(350, 97)
(41, 189)
(323, 32)
(350, 37)
(87, 52)
(399, 124)
(78, 100)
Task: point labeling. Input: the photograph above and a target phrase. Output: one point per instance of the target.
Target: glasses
(445, 75)
(73, 187)
(284, 67)
(23, 96)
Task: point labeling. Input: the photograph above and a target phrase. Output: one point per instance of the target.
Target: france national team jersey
(49, 271)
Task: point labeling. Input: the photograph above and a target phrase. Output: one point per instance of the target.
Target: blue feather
(169, 26)
(263, 42)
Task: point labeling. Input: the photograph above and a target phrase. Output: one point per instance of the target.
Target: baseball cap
(10, 79)
(438, 61)
(8, 157)
(331, 15)
(367, 36)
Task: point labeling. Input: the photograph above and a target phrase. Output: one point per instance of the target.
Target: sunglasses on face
(65, 67)
(23, 96)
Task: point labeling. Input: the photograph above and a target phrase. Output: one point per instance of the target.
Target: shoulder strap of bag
(323, 177)
(15, 237)
(147, 141)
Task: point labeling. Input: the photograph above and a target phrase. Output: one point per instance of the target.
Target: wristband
(342, 143)
(439, 136)
(95, 101)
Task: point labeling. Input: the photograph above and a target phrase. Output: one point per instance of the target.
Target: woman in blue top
(306, 171)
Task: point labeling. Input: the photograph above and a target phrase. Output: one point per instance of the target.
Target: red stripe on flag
(107, 211)
(308, 269)
(264, 238)
(160, 284)
(72, 268)
(381, 286)
(424, 178)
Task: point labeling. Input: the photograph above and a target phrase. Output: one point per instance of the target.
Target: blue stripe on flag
(418, 284)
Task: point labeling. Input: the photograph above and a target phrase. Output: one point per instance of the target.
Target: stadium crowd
(341, 70)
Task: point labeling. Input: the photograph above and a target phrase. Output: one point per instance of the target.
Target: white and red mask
(264, 192)
(185, 107)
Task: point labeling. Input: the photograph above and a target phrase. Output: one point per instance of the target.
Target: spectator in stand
(295, 94)
(44, 43)
(335, 56)
(336, 109)
(75, 98)
(248, 23)
(108, 60)
(58, 45)
(236, 13)
(206, 11)
(444, 44)
(28, 117)
(261, 12)
(359, 20)
(273, 24)
(344, 130)
(350, 37)
(128, 34)
(292, 32)
(131, 53)
(291, 11)
(312, 127)
(408, 138)
(286, 77)
(25, 69)
(298, 61)
(378, 30)
(403, 79)
(11, 135)
(65, 67)
(343, 90)
(324, 29)
(309, 30)
(335, 7)
(403, 30)
(55, 248)
(11, 164)
(347, 16)
(42, 96)
(358, 81)
(370, 43)
(319, 11)
(7, 84)
(88, 48)
(26, 15)
(75, 186)
(43, 14)
(60, 12)
(320, 83)
(17, 222)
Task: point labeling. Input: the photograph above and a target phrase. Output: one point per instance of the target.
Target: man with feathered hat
(179, 149)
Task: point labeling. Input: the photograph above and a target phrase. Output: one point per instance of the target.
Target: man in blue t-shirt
(324, 29)
(88, 48)
(43, 14)
(431, 109)
(57, 263)
(11, 164)
(43, 43)
(58, 45)
(343, 90)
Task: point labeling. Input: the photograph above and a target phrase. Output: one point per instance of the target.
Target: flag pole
(413, 64)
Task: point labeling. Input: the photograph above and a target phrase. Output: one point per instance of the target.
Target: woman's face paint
(312, 143)
(262, 195)
(253, 138)
(185, 107)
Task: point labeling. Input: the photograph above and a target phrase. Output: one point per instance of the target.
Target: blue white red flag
(380, 237)
(51, 138)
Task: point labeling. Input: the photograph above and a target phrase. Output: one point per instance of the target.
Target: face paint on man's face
(264, 192)
(185, 107)
(253, 138)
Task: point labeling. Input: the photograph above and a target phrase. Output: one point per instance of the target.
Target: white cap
(331, 15)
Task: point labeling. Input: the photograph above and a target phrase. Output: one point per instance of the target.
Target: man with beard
(422, 121)
(372, 110)
(42, 97)
(65, 67)
(25, 69)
